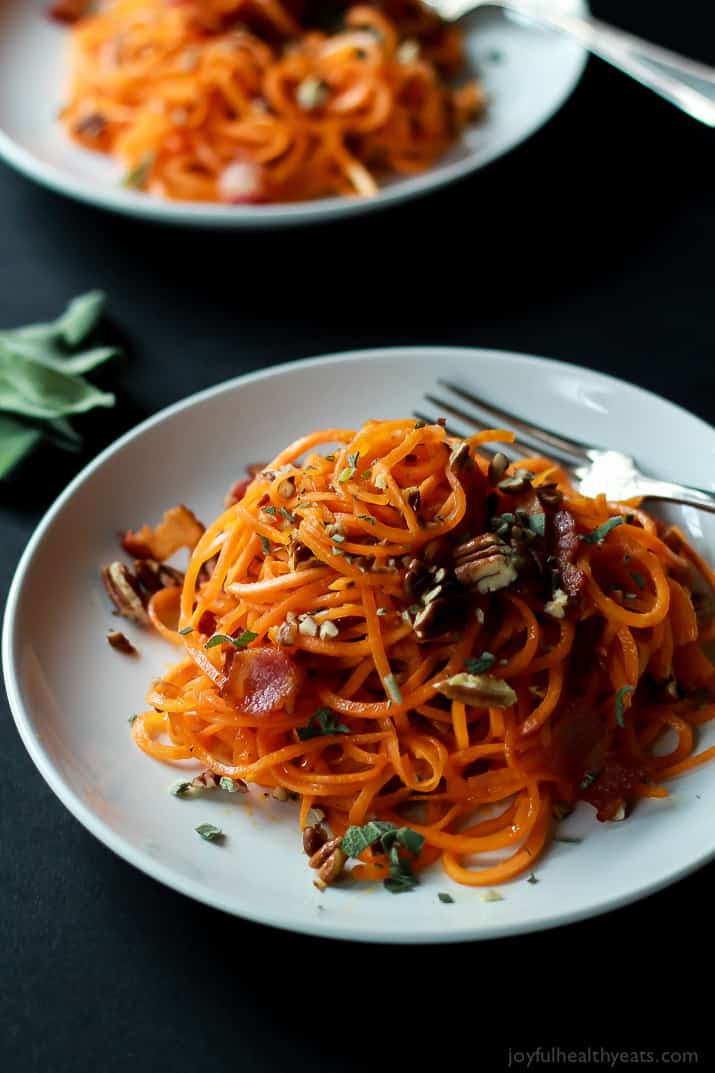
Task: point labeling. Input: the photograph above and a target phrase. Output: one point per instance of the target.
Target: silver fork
(595, 471)
(687, 84)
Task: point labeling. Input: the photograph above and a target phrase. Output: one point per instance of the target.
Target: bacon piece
(179, 528)
(563, 544)
(68, 10)
(613, 786)
(262, 680)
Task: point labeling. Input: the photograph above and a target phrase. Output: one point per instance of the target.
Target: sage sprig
(42, 385)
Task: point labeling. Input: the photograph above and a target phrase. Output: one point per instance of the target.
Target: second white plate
(527, 73)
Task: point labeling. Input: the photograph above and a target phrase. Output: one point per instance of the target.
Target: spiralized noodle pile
(398, 628)
(252, 101)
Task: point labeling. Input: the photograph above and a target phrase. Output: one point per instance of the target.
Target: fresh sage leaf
(16, 442)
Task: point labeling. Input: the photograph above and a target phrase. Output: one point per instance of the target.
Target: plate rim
(324, 927)
(283, 214)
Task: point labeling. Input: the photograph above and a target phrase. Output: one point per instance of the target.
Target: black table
(592, 243)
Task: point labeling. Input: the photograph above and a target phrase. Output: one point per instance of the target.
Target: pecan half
(91, 126)
(519, 481)
(485, 564)
(479, 690)
(314, 838)
(330, 861)
(121, 643)
(123, 590)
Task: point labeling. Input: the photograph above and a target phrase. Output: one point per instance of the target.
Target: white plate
(537, 72)
(71, 694)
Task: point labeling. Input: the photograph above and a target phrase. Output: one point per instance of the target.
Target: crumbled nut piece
(418, 579)
(314, 838)
(287, 633)
(328, 630)
(498, 467)
(121, 643)
(479, 690)
(620, 813)
(286, 489)
(518, 482)
(556, 607)
(279, 793)
(311, 93)
(206, 780)
(459, 457)
(307, 627)
(408, 50)
(123, 590)
(485, 564)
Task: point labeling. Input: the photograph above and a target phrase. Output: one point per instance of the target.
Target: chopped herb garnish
(536, 523)
(287, 515)
(209, 832)
(357, 839)
(324, 721)
(393, 688)
(346, 474)
(238, 642)
(366, 475)
(330, 458)
(599, 535)
(588, 779)
(481, 664)
(620, 703)
(366, 518)
(639, 579)
(414, 608)
(137, 177)
(227, 784)
(269, 510)
(180, 789)
(446, 898)
(353, 459)
(338, 538)
(420, 424)
(568, 840)
(266, 545)
(532, 878)
(382, 611)
(186, 629)
(132, 719)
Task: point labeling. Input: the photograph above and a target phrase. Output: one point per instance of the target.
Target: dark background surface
(592, 243)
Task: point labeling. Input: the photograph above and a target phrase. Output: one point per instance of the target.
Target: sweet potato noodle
(252, 101)
(469, 645)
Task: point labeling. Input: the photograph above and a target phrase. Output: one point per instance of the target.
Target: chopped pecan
(121, 643)
(153, 575)
(479, 690)
(418, 579)
(459, 457)
(314, 838)
(179, 528)
(413, 497)
(498, 467)
(485, 564)
(519, 481)
(123, 590)
(329, 860)
(91, 126)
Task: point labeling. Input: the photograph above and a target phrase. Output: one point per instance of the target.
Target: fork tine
(515, 449)
(556, 443)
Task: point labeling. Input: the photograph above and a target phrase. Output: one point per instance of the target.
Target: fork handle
(675, 493)
(687, 84)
